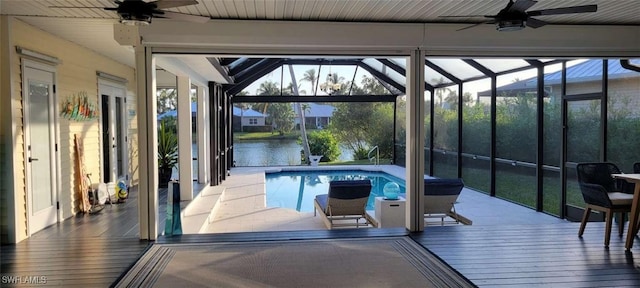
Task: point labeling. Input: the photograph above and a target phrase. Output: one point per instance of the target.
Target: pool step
(201, 210)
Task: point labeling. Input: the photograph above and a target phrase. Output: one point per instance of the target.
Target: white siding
(247, 122)
(75, 73)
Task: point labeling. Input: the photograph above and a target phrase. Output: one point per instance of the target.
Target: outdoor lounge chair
(601, 192)
(345, 203)
(440, 196)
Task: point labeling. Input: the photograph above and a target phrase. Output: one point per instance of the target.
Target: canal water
(273, 153)
(263, 153)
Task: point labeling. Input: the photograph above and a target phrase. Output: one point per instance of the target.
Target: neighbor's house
(243, 118)
(53, 90)
(315, 116)
(582, 78)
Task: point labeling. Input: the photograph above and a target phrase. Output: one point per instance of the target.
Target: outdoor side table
(390, 213)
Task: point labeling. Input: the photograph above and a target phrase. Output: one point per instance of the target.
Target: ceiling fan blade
(81, 7)
(467, 16)
(535, 23)
(564, 10)
(184, 17)
(475, 25)
(162, 4)
(521, 6)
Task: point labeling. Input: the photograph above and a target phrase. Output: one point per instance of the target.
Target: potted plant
(167, 153)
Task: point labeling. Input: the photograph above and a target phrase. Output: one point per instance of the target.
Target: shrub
(322, 142)
(360, 153)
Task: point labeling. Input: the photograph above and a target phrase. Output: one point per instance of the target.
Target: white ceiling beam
(288, 37)
(180, 68)
(277, 37)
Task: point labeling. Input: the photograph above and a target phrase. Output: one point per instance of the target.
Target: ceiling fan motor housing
(136, 12)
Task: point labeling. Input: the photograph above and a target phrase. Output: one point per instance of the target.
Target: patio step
(201, 210)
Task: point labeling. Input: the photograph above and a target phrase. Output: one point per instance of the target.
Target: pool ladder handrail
(377, 157)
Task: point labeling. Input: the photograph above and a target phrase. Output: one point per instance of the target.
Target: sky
(455, 66)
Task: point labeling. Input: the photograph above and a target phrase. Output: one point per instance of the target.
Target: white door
(41, 165)
(114, 132)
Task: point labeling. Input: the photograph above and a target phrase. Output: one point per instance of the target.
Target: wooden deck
(84, 251)
(94, 250)
(535, 255)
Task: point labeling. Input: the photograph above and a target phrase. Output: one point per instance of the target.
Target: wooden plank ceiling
(609, 12)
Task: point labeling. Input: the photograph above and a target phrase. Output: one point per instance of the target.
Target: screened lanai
(513, 128)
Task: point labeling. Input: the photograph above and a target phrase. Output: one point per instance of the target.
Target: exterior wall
(75, 73)
(7, 218)
(624, 92)
(17, 157)
(245, 121)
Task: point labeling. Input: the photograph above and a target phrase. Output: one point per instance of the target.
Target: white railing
(376, 158)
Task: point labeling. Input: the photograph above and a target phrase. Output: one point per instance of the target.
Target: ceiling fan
(515, 17)
(139, 12)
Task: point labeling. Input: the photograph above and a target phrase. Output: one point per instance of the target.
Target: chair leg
(585, 218)
(454, 213)
(621, 224)
(607, 233)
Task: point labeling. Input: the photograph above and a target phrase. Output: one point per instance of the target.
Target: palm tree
(303, 129)
(289, 90)
(267, 88)
(441, 92)
(310, 76)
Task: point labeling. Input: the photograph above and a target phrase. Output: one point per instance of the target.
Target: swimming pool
(297, 189)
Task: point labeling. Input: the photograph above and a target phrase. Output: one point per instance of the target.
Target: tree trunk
(303, 129)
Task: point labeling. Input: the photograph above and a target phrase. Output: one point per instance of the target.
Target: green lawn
(355, 162)
(265, 135)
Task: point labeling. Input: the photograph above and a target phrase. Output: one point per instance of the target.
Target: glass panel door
(120, 146)
(40, 154)
(114, 133)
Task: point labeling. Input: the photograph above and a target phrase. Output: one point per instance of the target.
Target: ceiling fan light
(135, 20)
(510, 25)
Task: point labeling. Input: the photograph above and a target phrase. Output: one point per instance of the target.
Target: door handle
(113, 146)
(32, 159)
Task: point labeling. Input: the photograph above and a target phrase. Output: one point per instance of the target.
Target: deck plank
(94, 250)
(82, 251)
(548, 255)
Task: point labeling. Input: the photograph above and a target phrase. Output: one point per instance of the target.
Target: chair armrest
(595, 195)
(626, 187)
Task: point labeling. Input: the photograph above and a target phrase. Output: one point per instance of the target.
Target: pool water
(297, 189)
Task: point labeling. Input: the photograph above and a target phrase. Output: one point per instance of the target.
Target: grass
(355, 162)
(293, 135)
(521, 188)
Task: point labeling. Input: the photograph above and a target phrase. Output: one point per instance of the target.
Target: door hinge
(54, 88)
(56, 147)
(58, 205)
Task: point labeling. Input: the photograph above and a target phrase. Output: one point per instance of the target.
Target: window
(253, 121)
